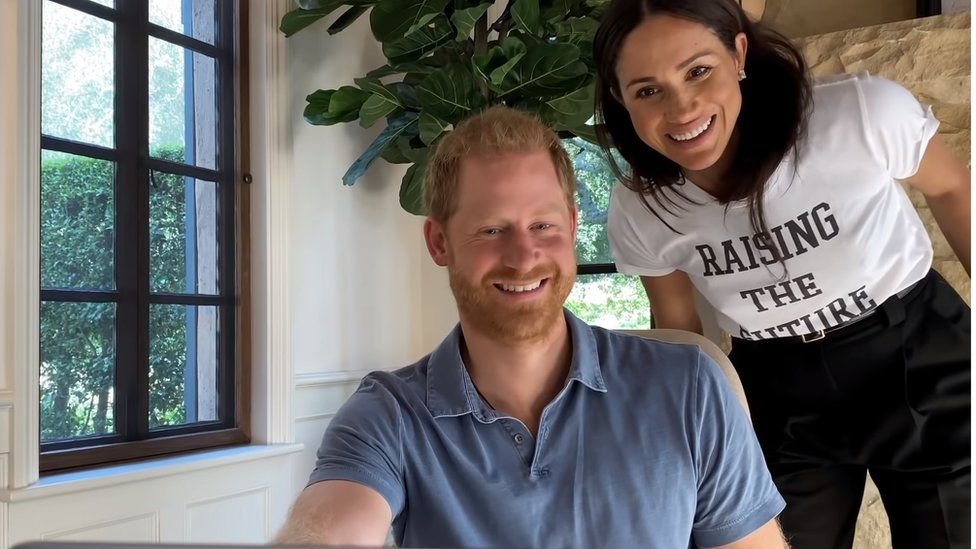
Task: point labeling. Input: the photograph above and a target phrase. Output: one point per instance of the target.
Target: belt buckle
(815, 336)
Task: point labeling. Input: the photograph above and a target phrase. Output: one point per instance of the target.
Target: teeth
(692, 134)
(514, 288)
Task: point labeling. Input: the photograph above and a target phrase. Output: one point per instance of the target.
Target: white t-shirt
(850, 234)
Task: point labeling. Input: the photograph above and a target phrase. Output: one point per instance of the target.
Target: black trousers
(889, 395)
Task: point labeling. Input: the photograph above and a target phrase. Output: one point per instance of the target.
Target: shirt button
(519, 439)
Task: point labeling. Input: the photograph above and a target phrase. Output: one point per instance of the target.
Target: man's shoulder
(646, 357)
(399, 388)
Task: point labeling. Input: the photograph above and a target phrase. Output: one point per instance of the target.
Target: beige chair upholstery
(706, 345)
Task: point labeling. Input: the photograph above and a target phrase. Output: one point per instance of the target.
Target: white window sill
(66, 483)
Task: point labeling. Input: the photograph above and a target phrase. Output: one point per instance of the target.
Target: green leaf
(573, 109)
(396, 127)
(297, 20)
(414, 46)
(547, 69)
(422, 22)
(498, 75)
(317, 111)
(558, 11)
(388, 70)
(495, 64)
(392, 19)
(393, 155)
(374, 86)
(407, 95)
(525, 13)
(347, 99)
(449, 93)
(374, 108)
(347, 18)
(465, 20)
(585, 132)
(576, 29)
(412, 189)
(431, 127)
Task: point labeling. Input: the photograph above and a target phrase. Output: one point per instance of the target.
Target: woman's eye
(646, 92)
(699, 72)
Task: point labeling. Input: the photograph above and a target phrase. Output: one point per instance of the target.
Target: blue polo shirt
(645, 446)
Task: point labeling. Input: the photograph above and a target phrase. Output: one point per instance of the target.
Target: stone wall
(928, 56)
(931, 58)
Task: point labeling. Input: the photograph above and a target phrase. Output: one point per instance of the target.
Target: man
(526, 427)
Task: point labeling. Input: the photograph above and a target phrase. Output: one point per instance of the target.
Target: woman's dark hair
(775, 104)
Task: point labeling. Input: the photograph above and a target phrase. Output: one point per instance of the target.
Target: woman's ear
(741, 47)
(615, 95)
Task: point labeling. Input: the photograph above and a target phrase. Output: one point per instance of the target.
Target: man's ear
(575, 214)
(436, 240)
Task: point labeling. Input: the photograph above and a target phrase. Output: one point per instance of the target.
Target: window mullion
(132, 141)
(227, 165)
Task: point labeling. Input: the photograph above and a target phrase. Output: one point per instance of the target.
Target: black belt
(822, 334)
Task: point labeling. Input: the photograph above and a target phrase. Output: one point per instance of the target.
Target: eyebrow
(680, 66)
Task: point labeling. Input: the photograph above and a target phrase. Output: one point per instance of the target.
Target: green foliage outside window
(78, 347)
(609, 300)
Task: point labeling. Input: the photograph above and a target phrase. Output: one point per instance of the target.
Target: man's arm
(768, 536)
(337, 512)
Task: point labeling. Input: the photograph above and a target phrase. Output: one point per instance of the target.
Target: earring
(742, 74)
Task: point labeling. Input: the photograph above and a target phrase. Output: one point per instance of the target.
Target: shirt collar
(450, 391)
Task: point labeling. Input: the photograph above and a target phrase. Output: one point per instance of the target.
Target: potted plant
(448, 59)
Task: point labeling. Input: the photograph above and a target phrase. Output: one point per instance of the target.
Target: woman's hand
(944, 181)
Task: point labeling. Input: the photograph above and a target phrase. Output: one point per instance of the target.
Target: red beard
(484, 308)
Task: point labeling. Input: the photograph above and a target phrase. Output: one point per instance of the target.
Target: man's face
(509, 247)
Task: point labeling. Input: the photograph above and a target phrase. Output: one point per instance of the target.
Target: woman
(778, 199)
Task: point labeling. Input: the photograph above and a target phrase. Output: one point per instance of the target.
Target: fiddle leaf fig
(464, 20)
(447, 60)
(395, 19)
(394, 129)
(417, 44)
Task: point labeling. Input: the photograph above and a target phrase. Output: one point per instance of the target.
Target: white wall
(364, 294)
(342, 284)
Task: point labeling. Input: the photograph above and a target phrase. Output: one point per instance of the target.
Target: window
(600, 296)
(140, 230)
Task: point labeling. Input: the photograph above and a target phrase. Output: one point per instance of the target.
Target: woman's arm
(944, 181)
(672, 301)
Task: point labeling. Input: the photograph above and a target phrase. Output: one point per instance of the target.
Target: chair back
(706, 345)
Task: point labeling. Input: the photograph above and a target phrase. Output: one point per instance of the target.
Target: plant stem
(481, 47)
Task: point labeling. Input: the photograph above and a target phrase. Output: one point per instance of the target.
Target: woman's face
(680, 85)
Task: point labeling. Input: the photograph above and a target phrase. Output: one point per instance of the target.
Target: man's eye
(491, 232)
(542, 226)
(700, 72)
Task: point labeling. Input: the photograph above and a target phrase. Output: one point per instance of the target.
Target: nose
(682, 105)
(521, 252)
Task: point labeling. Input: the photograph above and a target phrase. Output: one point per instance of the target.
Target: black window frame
(134, 169)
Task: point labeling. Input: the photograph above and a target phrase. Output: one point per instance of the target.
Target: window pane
(77, 76)
(182, 105)
(182, 365)
(595, 179)
(611, 301)
(77, 370)
(183, 235)
(196, 18)
(77, 222)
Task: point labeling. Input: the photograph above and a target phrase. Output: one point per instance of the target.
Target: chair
(706, 345)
